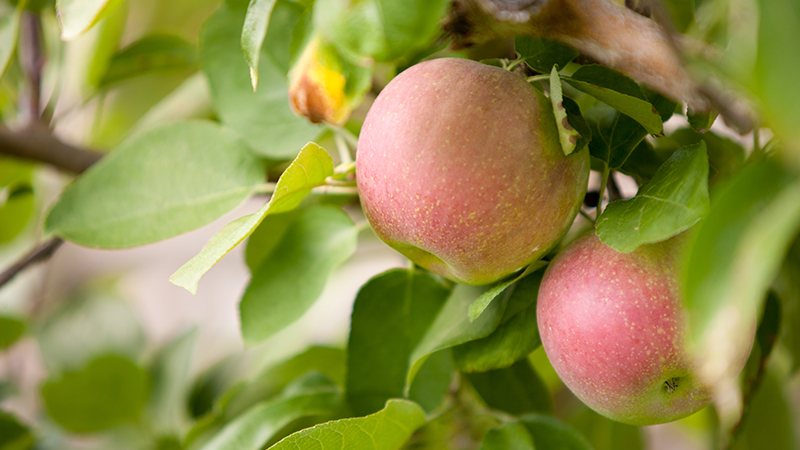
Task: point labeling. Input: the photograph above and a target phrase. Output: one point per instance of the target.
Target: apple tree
(620, 180)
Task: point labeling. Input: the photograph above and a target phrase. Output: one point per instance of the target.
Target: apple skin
(612, 325)
(459, 168)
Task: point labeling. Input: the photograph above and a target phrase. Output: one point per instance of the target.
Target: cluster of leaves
(428, 363)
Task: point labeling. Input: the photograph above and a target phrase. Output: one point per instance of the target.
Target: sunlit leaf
(674, 200)
(619, 92)
(256, 24)
(308, 170)
(387, 429)
(77, 16)
(156, 185)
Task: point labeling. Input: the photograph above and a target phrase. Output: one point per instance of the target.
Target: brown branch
(37, 144)
(38, 254)
(32, 63)
(604, 30)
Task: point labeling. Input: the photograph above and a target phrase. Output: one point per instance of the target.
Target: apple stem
(601, 193)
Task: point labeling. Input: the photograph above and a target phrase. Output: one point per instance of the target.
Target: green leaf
(110, 390)
(432, 384)
(542, 54)
(326, 360)
(267, 236)
(309, 169)
(155, 53)
(310, 396)
(17, 199)
(9, 29)
(615, 135)
(515, 337)
(452, 325)
(289, 281)
(517, 389)
(11, 329)
(77, 16)
(734, 256)
(674, 200)
(89, 324)
(510, 436)
(568, 136)
(156, 185)
(170, 385)
(777, 63)
(482, 302)
(391, 314)
(16, 211)
(256, 23)
(619, 92)
(548, 432)
(606, 434)
(701, 122)
(13, 434)
(263, 118)
(387, 429)
(381, 30)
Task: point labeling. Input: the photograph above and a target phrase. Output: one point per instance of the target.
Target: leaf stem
(537, 78)
(586, 216)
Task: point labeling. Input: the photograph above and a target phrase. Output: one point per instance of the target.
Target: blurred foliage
(203, 104)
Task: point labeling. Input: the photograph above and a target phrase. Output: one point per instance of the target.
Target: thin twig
(31, 62)
(736, 111)
(38, 254)
(37, 144)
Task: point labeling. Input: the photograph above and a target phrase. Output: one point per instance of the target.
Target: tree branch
(38, 254)
(37, 144)
(604, 30)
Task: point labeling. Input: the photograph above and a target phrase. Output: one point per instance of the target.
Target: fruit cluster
(459, 167)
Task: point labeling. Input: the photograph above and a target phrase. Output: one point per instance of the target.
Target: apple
(612, 325)
(459, 168)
